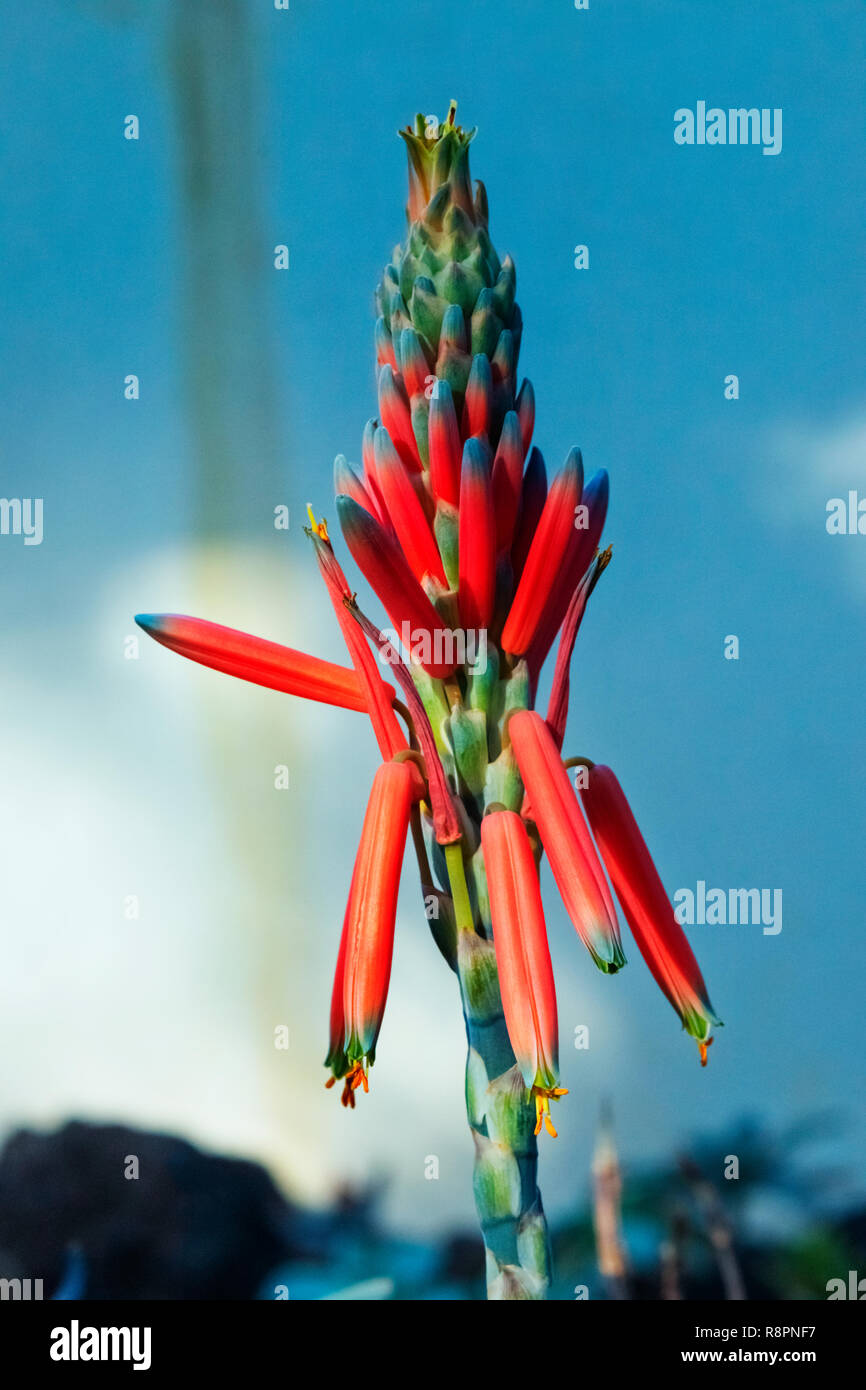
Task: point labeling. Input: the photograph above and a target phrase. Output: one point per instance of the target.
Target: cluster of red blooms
(452, 524)
(576, 832)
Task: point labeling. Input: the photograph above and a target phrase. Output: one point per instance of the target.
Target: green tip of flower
(699, 1024)
(617, 961)
(438, 158)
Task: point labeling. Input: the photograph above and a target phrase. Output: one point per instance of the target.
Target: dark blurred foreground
(107, 1212)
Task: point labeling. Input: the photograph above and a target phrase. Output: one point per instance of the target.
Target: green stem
(501, 1114)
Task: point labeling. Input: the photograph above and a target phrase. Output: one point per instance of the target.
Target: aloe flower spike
(452, 525)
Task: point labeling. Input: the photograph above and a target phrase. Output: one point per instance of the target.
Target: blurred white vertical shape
(254, 769)
(607, 1210)
(227, 266)
(209, 967)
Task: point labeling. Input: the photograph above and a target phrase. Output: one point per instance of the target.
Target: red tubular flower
(369, 460)
(383, 563)
(533, 495)
(566, 839)
(379, 695)
(583, 546)
(397, 417)
(257, 660)
(336, 1059)
(479, 398)
(443, 441)
(453, 363)
(346, 480)
(384, 345)
(413, 363)
(406, 513)
(523, 957)
(557, 709)
(477, 539)
(660, 938)
(502, 366)
(526, 413)
(365, 955)
(507, 480)
(552, 547)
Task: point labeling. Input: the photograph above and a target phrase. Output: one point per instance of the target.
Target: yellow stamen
(702, 1048)
(543, 1096)
(320, 527)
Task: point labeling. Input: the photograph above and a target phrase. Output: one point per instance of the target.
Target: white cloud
(808, 464)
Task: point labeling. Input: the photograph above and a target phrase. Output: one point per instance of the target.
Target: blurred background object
(182, 1223)
(607, 1210)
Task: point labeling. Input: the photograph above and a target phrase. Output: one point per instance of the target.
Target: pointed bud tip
(599, 483)
(475, 453)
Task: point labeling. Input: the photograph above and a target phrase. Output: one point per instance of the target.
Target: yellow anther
(320, 527)
(543, 1096)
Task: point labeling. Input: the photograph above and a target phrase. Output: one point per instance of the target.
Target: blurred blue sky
(703, 262)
